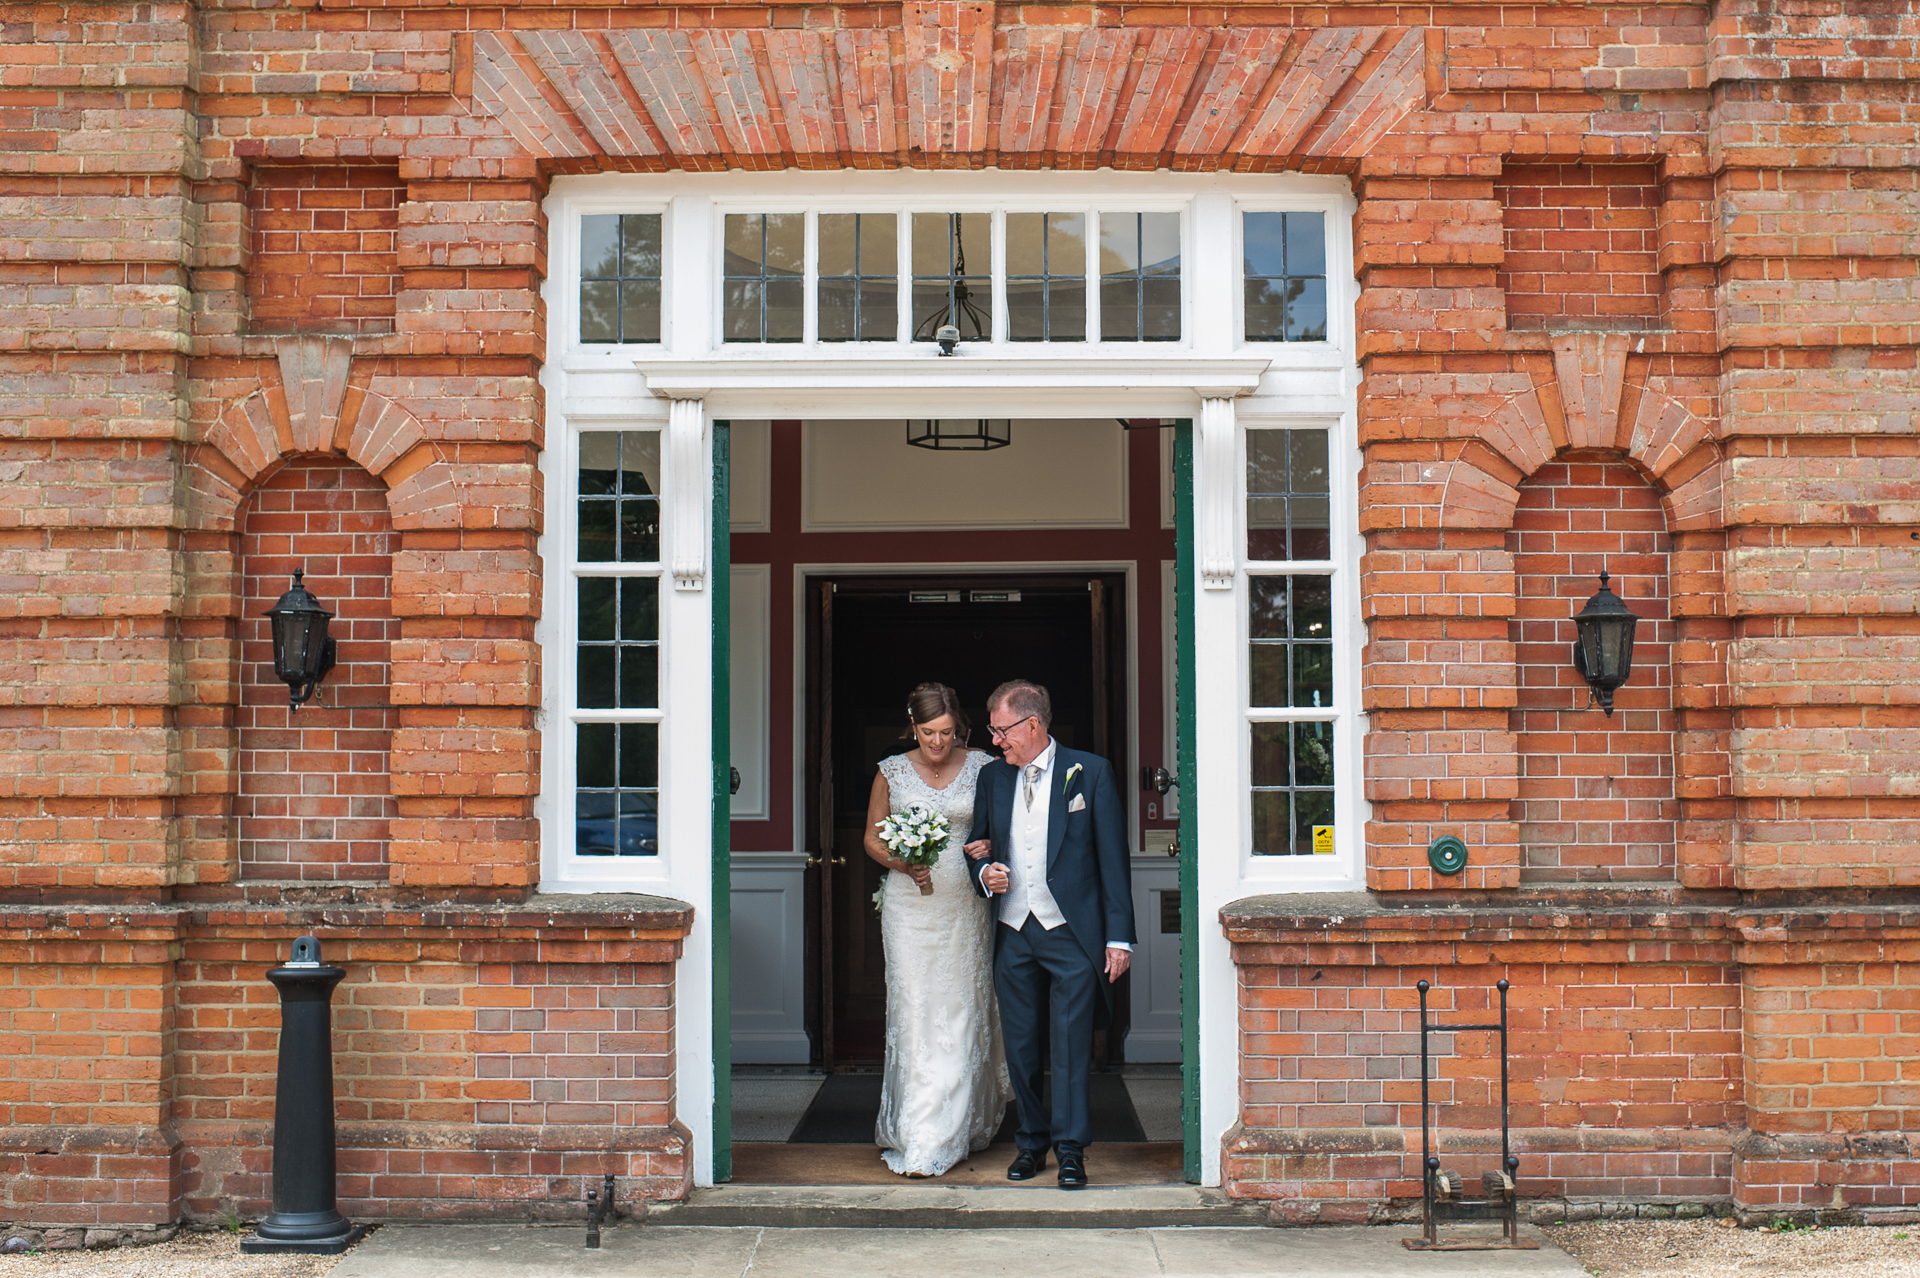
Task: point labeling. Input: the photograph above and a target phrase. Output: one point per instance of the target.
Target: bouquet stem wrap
(916, 836)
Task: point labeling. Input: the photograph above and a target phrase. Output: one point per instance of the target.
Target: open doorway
(870, 639)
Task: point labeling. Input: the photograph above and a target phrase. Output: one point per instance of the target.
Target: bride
(946, 1084)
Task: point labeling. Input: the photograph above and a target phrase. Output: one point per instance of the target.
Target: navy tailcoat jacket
(1088, 870)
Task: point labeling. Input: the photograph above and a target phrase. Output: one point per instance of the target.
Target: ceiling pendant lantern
(961, 434)
(1603, 653)
(303, 652)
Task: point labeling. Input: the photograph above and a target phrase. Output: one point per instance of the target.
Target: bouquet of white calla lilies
(917, 836)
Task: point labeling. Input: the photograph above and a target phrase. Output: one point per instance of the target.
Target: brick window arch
(315, 799)
(1596, 794)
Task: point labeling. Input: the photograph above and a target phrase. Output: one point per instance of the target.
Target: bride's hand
(921, 874)
(976, 851)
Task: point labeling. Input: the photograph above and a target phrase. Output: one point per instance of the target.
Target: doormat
(845, 1108)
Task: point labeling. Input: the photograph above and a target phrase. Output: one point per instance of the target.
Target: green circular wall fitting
(1447, 855)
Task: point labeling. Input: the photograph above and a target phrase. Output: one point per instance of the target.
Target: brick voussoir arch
(314, 410)
(1580, 408)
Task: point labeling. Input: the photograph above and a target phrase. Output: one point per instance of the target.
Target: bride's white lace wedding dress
(946, 1084)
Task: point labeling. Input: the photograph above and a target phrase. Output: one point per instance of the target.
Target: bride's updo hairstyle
(931, 700)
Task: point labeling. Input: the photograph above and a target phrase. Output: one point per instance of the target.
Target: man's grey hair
(1023, 698)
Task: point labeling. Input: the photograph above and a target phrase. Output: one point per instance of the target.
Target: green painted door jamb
(1184, 772)
(721, 907)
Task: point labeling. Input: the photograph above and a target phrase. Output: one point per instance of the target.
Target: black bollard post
(305, 1218)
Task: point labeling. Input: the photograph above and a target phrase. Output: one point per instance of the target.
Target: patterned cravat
(1033, 775)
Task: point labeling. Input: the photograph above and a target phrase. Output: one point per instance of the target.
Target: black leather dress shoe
(1027, 1164)
(1073, 1169)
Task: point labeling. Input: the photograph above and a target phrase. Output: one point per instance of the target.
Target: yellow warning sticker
(1323, 840)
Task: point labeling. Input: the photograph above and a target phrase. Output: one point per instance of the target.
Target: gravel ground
(188, 1256)
(1710, 1249)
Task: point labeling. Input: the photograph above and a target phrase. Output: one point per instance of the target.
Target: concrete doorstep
(673, 1251)
(957, 1207)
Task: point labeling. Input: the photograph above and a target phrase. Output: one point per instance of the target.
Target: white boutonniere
(1072, 772)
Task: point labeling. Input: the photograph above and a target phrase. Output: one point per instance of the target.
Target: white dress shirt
(1027, 892)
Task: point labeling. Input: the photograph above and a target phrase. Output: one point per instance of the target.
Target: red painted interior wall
(315, 798)
(1143, 541)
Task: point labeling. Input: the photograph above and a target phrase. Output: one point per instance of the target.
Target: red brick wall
(1596, 793)
(463, 1089)
(315, 796)
(1582, 248)
(323, 248)
(575, 1043)
(1625, 1057)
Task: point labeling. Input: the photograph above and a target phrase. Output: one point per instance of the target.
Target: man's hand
(978, 849)
(1118, 961)
(994, 879)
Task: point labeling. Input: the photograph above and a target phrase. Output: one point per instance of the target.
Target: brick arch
(956, 83)
(313, 409)
(1525, 424)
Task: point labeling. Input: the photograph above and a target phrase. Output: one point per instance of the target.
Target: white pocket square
(1079, 803)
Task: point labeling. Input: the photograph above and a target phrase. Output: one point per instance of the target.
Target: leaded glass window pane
(1292, 788)
(952, 275)
(1290, 634)
(619, 643)
(620, 277)
(617, 789)
(859, 291)
(1288, 511)
(619, 497)
(1047, 277)
(1285, 270)
(763, 284)
(1140, 277)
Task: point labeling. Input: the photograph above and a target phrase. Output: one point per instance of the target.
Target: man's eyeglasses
(998, 733)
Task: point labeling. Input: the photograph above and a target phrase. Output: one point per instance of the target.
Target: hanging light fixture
(961, 434)
(1603, 653)
(303, 652)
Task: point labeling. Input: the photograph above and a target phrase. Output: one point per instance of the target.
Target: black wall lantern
(971, 435)
(1603, 653)
(302, 650)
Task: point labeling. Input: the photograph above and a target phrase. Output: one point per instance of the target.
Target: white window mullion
(997, 264)
(1093, 275)
(810, 275)
(903, 239)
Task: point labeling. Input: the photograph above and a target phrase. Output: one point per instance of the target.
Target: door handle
(1157, 779)
(1173, 848)
(817, 859)
(733, 781)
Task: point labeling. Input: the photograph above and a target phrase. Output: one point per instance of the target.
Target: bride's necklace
(940, 779)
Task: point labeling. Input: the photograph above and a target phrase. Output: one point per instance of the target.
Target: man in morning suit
(1063, 918)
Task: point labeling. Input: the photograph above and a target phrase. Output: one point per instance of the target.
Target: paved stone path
(672, 1251)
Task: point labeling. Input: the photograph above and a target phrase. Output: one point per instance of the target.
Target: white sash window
(613, 685)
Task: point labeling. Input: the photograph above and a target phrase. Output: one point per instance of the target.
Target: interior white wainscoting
(769, 959)
(1155, 1033)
